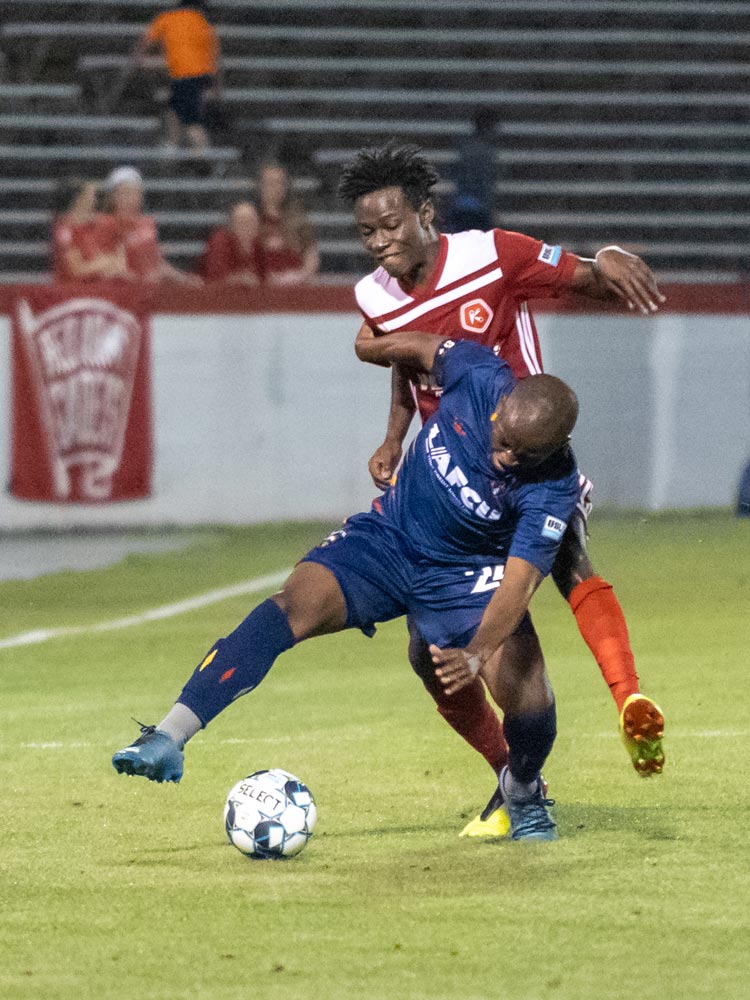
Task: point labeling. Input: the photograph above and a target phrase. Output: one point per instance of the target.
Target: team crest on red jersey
(475, 316)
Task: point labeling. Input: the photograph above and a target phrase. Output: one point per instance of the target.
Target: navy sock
(530, 737)
(238, 663)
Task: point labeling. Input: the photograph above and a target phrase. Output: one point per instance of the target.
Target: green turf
(113, 887)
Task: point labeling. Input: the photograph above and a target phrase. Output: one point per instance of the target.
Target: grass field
(113, 887)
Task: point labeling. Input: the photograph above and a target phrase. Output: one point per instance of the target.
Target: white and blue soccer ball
(270, 814)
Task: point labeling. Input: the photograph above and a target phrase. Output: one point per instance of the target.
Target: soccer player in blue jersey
(477, 285)
(459, 543)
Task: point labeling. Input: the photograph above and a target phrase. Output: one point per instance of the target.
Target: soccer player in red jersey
(475, 285)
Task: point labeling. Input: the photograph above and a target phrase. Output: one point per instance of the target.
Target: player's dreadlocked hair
(389, 166)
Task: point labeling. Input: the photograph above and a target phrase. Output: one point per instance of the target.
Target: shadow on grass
(575, 820)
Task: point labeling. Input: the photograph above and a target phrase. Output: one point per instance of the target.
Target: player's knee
(312, 601)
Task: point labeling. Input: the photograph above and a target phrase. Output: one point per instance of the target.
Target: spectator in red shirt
(290, 250)
(78, 253)
(233, 253)
(126, 225)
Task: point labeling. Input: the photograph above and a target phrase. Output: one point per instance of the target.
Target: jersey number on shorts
(489, 578)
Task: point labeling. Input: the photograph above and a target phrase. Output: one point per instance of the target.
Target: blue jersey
(451, 503)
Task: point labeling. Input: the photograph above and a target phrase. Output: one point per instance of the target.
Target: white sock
(515, 789)
(181, 723)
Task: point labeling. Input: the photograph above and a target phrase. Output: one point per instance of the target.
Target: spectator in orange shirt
(290, 250)
(126, 225)
(191, 47)
(233, 253)
(78, 253)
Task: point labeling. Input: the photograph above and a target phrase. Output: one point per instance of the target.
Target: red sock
(473, 718)
(602, 625)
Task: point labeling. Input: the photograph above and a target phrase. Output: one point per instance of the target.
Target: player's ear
(427, 213)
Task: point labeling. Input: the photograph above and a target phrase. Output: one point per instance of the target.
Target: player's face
(396, 235)
(513, 446)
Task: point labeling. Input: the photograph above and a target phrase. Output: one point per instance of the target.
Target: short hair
(389, 166)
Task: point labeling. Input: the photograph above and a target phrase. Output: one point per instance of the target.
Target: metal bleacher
(618, 120)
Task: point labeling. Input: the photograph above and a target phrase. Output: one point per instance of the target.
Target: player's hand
(456, 668)
(384, 463)
(629, 278)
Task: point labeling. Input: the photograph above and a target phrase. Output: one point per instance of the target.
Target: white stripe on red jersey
(476, 291)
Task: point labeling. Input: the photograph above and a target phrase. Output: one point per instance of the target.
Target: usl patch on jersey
(550, 255)
(554, 528)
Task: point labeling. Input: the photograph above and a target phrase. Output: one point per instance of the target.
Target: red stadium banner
(81, 396)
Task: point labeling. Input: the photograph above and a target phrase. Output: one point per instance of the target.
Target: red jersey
(140, 239)
(83, 237)
(478, 290)
(224, 255)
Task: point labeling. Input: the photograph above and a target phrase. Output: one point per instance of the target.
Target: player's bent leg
(310, 603)
(598, 613)
(467, 712)
(518, 682)
(516, 676)
(642, 730)
(470, 715)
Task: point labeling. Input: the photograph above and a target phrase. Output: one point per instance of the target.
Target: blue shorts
(382, 579)
(186, 98)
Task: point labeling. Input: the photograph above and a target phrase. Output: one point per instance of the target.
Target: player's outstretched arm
(456, 668)
(406, 347)
(615, 273)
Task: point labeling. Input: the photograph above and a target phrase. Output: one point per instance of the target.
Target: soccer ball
(270, 814)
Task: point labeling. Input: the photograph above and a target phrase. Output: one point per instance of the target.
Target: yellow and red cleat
(494, 819)
(493, 824)
(642, 730)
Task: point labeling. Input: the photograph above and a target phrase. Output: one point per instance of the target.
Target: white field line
(151, 614)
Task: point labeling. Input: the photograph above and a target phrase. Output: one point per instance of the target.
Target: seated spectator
(233, 252)
(77, 250)
(127, 225)
(290, 250)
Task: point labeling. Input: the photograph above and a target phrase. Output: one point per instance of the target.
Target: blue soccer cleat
(154, 755)
(494, 819)
(529, 817)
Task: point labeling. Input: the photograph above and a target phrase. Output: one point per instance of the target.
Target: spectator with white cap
(127, 225)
